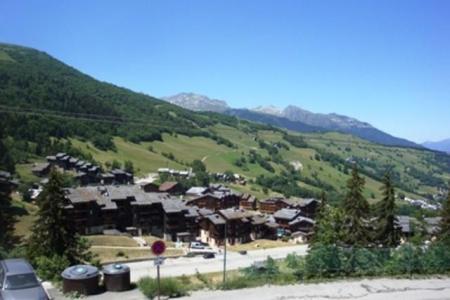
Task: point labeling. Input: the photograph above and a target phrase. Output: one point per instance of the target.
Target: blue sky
(384, 62)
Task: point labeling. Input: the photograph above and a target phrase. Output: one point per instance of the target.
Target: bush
(169, 287)
(50, 268)
(406, 259)
(236, 283)
(323, 261)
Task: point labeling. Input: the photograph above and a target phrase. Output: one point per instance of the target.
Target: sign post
(158, 249)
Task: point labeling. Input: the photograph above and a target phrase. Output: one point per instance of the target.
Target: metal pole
(159, 281)
(225, 254)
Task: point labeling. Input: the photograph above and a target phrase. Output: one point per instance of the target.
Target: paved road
(378, 289)
(189, 266)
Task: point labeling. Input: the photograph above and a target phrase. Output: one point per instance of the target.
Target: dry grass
(151, 239)
(259, 244)
(112, 254)
(112, 240)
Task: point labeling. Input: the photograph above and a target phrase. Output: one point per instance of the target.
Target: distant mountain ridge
(292, 118)
(443, 145)
(197, 102)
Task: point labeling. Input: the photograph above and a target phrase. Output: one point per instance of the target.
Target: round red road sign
(158, 247)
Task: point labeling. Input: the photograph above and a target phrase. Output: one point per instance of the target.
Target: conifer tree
(6, 217)
(356, 212)
(52, 233)
(319, 215)
(444, 232)
(388, 233)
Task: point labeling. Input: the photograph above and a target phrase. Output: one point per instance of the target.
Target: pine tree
(356, 212)
(52, 233)
(444, 232)
(387, 230)
(6, 217)
(319, 215)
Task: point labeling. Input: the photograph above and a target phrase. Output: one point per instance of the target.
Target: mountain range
(292, 118)
(47, 107)
(443, 145)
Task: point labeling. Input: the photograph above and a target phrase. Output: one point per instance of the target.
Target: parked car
(209, 255)
(18, 281)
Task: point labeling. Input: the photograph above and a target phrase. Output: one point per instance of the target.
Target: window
(21, 281)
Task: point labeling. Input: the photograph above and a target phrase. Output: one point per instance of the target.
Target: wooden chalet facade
(94, 209)
(272, 205)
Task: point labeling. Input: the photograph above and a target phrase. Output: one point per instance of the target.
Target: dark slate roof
(299, 202)
(287, 214)
(106, 196)
(40, 167)
(197, 190)
(272, 200)
(235, 213)
(118, 172)
(60, 155)
(5, 174)
(302, 220)
(404, 222)
(248, 198)
(216, 219)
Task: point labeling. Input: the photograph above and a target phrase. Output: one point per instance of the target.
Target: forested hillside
(47, 106)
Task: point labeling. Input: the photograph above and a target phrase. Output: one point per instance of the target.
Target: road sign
(159, 260)
(158, 247)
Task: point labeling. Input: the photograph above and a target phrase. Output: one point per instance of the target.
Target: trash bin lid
(80, 272)
(116, 269)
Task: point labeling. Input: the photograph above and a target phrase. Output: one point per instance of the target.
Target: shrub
(323, 261)
(169, 287)
(236, 283)
(406, 259)
(50, 268)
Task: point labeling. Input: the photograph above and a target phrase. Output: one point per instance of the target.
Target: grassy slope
(219, 158)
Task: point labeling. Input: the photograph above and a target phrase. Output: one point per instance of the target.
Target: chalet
(149, 187)
(51, 159)
(175, 173)
(432, 225)
(63, 161)
(307, 206)
(171, 187)
(106, 178)
(292, 220)
(79, 165)
(212, 230)
(248, 202)
(197, 191)
(122, 177)
(271, 205)
(82, 178)
(41, 169)
(302, 224)
(7, 184)
(238, 225)
(241, 226)
(262, 227)
(72, 162)
(214, 198)
(404, 223)
(93, 209)
(285, 215)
